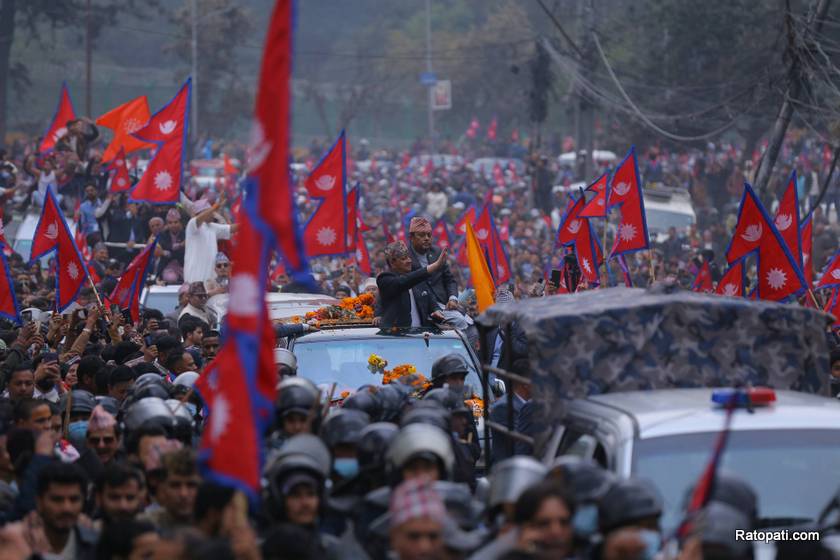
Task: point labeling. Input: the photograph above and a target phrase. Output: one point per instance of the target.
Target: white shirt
(415, 313)
(201, 248)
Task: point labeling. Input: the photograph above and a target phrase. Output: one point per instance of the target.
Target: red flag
(749, 229)
(326, 231)
(120, 181)
(597, 206)
(830, 277)
(488, 239)
(498, 175)
(441, 234)
(45, 238)
(504, 231)
(806, 240)
(429, 168)
(779, 275)
(161, 182)
(58, 125)
(703, 281)
(577, 232)
(732, 283)
(467, 217)
(125, 120)
(229, 168)
(126, 293)
(491, 130)
(362, 254)
(230, 443)
(389, 237)
(9, 308)
(787, 219)
(472, 131)
(626, 191)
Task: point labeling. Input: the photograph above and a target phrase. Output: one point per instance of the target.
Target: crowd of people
(99, 421)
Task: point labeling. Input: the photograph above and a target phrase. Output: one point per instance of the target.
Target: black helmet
(296, 394)
(150, 390)
(373, 442)
(81, 402)
(343, 426)
(451, 400)
(150, 410)
(449, 364)
(148, 378)
(421, 440)
(427, 413)
(627, 502)
(303, 454)
(462, 508)
(363, 400)
(392, 400)
(584, 477)
(110, 404)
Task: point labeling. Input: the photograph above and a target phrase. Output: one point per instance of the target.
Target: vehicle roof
(683, 411)
(165, 289)
(677, 205)
(365, 333)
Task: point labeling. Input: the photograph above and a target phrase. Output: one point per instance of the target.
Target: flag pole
(650, 260)
(604, 250)
(814, 298)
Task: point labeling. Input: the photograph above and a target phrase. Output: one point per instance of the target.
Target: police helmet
(392, 399)
(432, 414)
(110, 404)
(186, 379)
(343, 426)
(303, 454)
(285, 357)
(584, 477)
(511, 477)
(731, 489)
(81, 402)
(449, 399)
(450, 364)
(142, 380)
(417, 440)
(363, 400)
(296, 394)
(373, 441)
(149, 410)
(626, 502)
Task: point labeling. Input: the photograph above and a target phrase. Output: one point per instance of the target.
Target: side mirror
(498, 387)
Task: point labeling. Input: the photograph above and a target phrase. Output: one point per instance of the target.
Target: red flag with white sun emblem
(126, 293)
(626, 193)
(830, 277)
(597, 207)
(576, 231)
(161, 182)
(120, 181)
(732, 283)
(326, 231)
(787, 219)
(58, 125)
(703, 281)
(52, 233)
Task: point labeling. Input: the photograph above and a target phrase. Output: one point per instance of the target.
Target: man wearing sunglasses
(196, 307)
(219, 283)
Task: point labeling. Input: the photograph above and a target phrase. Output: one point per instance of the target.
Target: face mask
(346, 468)
(653, 542)
(77, 432)
(585, 520)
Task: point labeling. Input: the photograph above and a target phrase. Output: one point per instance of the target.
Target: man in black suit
(404, 300)
(441, 284)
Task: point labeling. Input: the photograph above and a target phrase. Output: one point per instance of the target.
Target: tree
(33, 18)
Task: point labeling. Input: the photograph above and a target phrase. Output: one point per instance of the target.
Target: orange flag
(479, 271)
(123, 120)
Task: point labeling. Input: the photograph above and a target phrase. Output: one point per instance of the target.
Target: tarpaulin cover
(624, 339)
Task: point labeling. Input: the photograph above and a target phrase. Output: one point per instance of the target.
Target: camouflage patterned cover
(622, 339)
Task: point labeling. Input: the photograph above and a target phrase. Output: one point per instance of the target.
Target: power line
(645, 119)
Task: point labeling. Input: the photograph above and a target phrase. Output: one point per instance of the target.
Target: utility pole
(768, 161)
(587, 107)
(88, 59)
(431, 114)
(194, 72)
